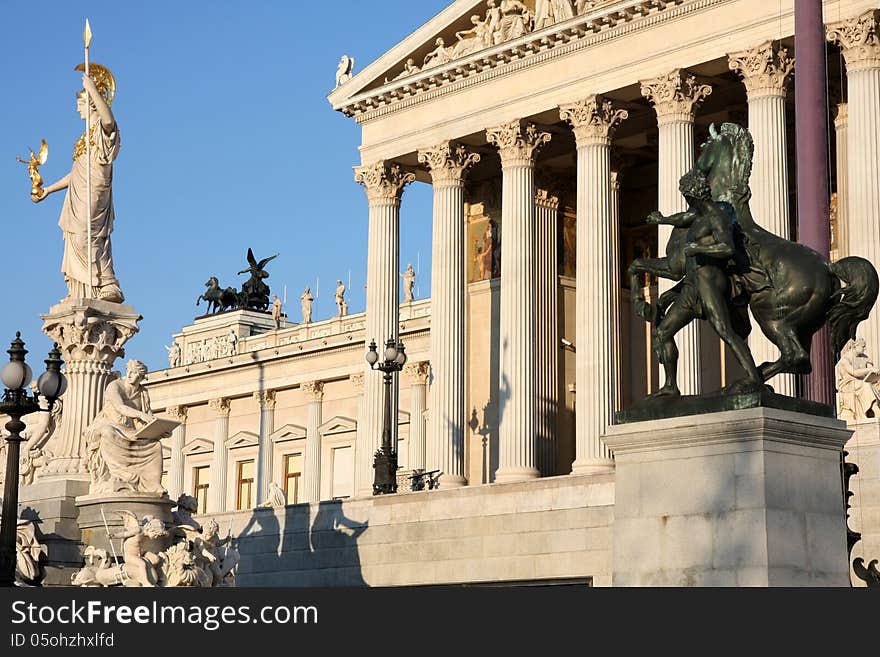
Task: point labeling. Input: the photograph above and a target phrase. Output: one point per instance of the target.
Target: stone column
(841, 123)
(384, 185)
(363, 469)
(266, 400)
(448, 164)
(617, 375)
(178, 442)
(594, 120)
(220, 461)
(314, 391)
(518, 143)
(858, 38)
(418, 374)
(546, 327)
(675, 97)
(765, 71)
(90, 334)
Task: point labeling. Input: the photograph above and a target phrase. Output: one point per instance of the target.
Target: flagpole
(87, 39)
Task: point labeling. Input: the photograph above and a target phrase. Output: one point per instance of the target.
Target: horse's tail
(856, 299)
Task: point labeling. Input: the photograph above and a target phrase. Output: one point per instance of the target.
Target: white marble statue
(118, 460)
(103, 135)
(340, 299)
(275, 498)
(516, 20)
(305, 301)
(439, 56)
(231, 342)
(174, 356)
(220, 557)
(39, 429)
(409, 68)
(276, 311)
(550, 12)
(858, 383)
(29, 554)
(476, 38)
(409, 282)
(344, 70)
(187, 505)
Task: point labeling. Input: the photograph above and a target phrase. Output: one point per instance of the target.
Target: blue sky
(228, 141)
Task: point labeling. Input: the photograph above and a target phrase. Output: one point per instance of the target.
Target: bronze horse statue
(791, 290)
(217, 298)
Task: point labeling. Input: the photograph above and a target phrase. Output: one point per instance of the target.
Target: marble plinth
(91, 519)
(747, 497)
(864, 514)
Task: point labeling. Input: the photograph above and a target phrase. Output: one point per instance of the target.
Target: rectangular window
(245, 478)
(292, 475)
(343, 473)
(201, 479)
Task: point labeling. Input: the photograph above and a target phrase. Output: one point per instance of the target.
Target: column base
(748, 497)
(451, 481)
(67, 468)
(592, 466)
(509, 475)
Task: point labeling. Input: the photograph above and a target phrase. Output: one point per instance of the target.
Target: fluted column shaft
(220, 460)
(593, 121)
(675, 97)
(517, 143)
(266, 400)
(617, 374)
(841, 125)
(546, 329)
(765, 71)
(417, 374)
(384, 185)
(448, 164)
(312, 462)
(858, 38)
(178, 442)
(360, 472)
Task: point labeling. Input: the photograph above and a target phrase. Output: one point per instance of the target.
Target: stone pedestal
(90, 334)
(50, 504)
(864, 514)
(739, 498)
(91, 520)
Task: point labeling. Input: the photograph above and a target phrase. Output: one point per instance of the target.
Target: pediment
(198, 446)
(242, 439)
(287, 432)
(475, 38)
(338, 424)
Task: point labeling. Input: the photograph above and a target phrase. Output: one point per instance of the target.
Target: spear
(87, 39)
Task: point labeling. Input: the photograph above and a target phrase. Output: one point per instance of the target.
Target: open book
(156, 430)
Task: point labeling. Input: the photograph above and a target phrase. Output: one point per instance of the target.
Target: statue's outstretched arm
(57, 186)
(679, 220)
(108, 122)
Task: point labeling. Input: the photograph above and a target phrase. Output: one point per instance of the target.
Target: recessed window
(201, 479)
(245, 497)
(293, 464)
(343, 473)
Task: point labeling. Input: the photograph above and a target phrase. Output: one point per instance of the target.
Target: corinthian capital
(220, 406)
(593, 119)
(383, 182)
(764, 70)
(858, 39)
(675, 96)
(417, 373)
(314, 390)
(518, 142)
(177, 412)
(448, 162)
(265, 398)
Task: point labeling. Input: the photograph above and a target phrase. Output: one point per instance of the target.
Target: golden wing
(44, 152)
(103, 78)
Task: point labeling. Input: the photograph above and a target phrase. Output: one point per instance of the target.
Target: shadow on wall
(285, 547)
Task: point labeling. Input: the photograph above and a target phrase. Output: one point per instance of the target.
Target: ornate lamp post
(16, 375)
(385, 459)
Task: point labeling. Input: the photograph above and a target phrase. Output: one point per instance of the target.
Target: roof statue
(724, 263)
(344, 70)
(254, 293)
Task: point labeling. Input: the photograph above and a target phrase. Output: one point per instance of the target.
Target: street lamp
(16, 375)
(385, 459)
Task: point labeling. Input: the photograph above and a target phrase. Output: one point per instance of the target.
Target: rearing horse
(793, 291)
